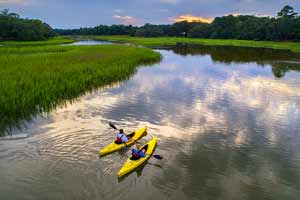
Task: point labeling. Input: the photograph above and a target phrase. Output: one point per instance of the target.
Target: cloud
(68, 12)
(118, 10)
(163, 10)
(127, 19)
(170, 1)
(14, 2)
(191, 18)
(248, 13)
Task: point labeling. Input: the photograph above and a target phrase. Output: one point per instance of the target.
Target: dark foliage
(286, 26)
(12, 27)
(100, 30)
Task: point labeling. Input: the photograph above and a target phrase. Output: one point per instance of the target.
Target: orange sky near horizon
(192, 18)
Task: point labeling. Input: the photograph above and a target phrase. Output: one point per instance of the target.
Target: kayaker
(121, 137)
(138, 153)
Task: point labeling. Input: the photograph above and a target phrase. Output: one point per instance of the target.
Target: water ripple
(227, 128)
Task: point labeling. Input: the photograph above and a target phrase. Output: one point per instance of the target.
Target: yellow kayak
(131, 165)
(115, 147)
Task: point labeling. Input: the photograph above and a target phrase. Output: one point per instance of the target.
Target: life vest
(136, 154)
(119, 139)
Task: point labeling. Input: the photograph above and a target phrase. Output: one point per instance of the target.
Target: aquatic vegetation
(159, 41)
(52, 41)
(36, 79)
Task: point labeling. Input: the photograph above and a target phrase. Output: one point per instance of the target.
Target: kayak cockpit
(129, 136)
(144, 148)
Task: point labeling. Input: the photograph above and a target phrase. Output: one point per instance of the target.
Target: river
(227, 120)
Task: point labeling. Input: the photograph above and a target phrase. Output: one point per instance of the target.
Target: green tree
(286, 26)
(12, 27)
(200, 30)
(149, 30)
(287, 12)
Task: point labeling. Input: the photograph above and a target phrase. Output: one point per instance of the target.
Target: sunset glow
(192, 18)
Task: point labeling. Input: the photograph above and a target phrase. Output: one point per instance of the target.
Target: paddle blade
(159, 157)
(113, 126)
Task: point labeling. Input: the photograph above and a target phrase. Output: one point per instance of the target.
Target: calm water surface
(227, 121)
(87, 42)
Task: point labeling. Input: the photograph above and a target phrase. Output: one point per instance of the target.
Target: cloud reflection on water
(238, 124)
(227, 129)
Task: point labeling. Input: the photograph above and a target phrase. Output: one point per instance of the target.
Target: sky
(89, 13)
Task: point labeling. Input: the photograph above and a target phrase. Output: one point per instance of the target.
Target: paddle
(113, 126)
(159, 157)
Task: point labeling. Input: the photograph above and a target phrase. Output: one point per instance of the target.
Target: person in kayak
(138, 153)
(121, 137)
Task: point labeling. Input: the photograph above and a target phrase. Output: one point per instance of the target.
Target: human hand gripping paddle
(159, 157)
(114, 127)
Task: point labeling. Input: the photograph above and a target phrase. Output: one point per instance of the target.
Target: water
(227, 121)
(88, 42)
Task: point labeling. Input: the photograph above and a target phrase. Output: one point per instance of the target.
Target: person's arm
(142, 154)
(124, 138)
(133, 151)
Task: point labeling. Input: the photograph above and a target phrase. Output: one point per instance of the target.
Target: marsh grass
(53, 41)
(35, 80)
(159, 41)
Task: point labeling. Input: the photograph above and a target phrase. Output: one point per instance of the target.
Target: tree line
(285, 26)
(12, 27)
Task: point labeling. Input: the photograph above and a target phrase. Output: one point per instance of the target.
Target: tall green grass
(53, 41)
(34, 80)
(158, 41)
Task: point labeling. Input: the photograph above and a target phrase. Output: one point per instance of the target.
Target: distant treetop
(12, 27)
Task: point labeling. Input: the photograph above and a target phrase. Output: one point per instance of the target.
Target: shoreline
(161, 41)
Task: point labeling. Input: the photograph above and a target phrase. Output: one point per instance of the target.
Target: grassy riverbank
(293, 46)
(53, 41)
(36, 79)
